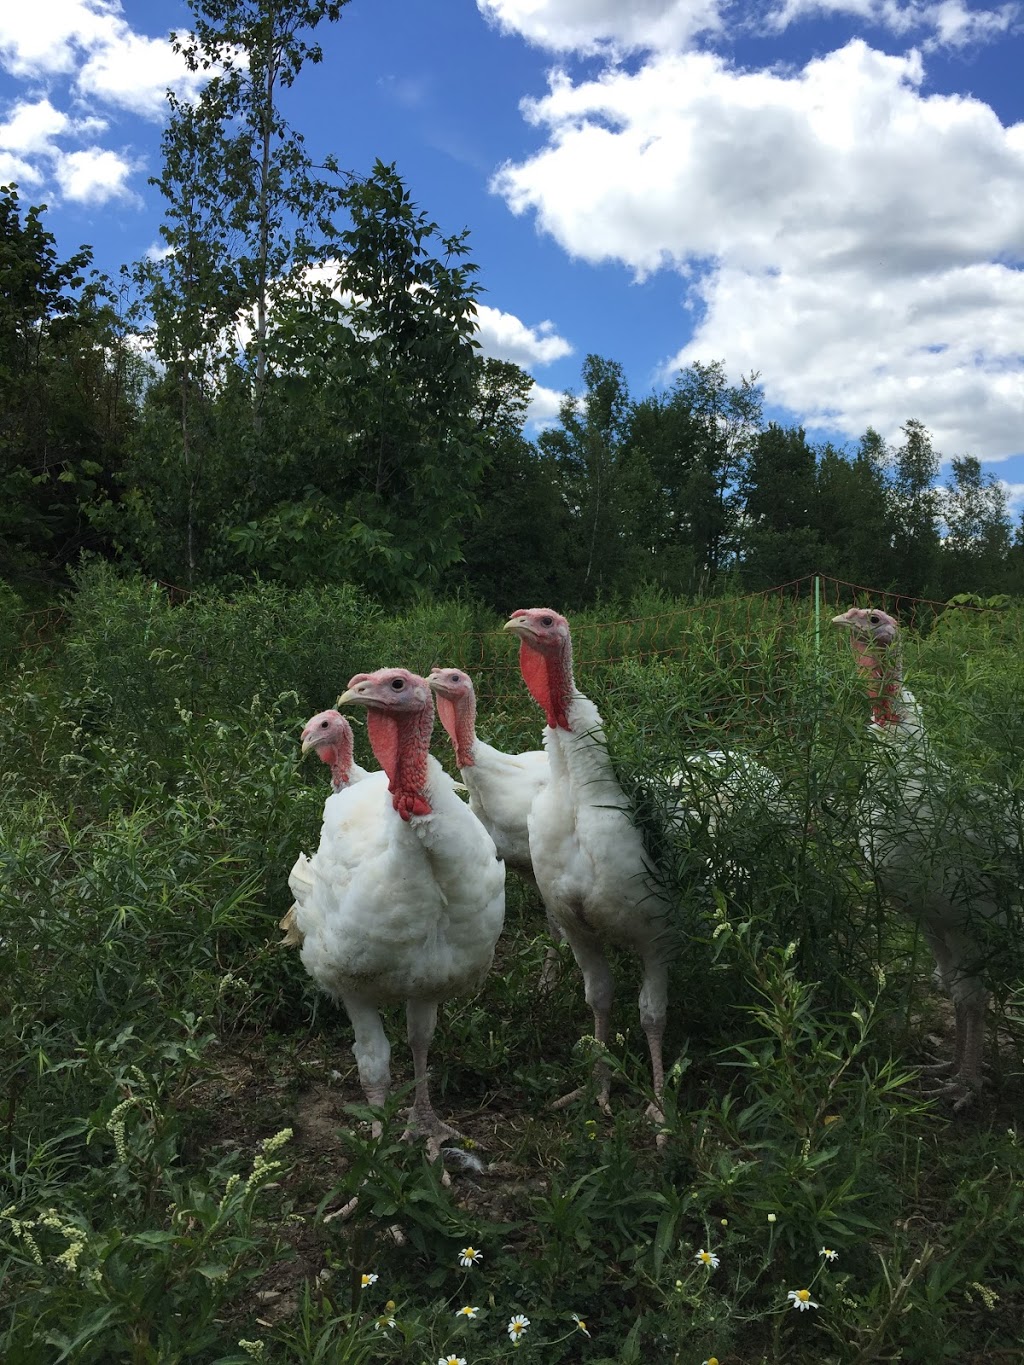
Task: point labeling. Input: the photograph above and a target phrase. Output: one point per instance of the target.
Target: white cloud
(15, 171)
(505, 337)
(91, 41)
(93, 175)
(33, 127)
(44, 38)
(945, 23)
(543, 407)
(89, 175)
(589, 25)
(857, 242)
(135, 72)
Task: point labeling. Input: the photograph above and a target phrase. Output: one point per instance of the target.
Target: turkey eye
(873, 619)
(547, 621)
(455, 677)
(397, 684)
(323, 725)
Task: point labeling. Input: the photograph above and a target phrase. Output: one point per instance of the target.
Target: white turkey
(404, 899)
(931, 846)
(329, 735)
(588, 856)
(502, 787)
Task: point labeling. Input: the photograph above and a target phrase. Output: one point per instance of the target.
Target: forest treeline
(292, 389)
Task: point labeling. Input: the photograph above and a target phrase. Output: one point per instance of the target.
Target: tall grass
(159, 1046)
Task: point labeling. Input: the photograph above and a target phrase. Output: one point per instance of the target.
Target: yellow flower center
(803, 1295)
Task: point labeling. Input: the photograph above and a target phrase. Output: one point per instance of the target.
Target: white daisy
(366, 1280)
(467, 1312)
(452, 1360)
(801, 1299)
(829, 1254)
(580, 1324)
(517, 1325)
(470, 1256)
(707, 1258)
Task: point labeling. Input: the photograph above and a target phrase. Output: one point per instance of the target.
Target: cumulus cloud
(858, 242)
(506, 337)
(93, 176)
(91, 41)
(946, 23)
(34, 129)
(592, 26)
(544, 407)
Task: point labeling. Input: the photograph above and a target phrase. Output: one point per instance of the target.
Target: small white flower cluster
(261, 1167)
(76, 1239)
(229, 1189)
(22, 1229)
(116, 1128)
(253, 1348)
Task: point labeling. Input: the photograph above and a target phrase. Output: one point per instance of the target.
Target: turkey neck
(459, 719)
(401, 745)
(341, 761)
(884, 673)
(549, 681)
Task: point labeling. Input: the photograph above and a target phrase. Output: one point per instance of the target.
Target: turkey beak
(516, 625)
(352, 695)
(843, 620)
(308, 742)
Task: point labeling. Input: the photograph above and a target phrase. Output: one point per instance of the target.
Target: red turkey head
(456, 709)
(545, 660)
(400, 716)
(329, 735)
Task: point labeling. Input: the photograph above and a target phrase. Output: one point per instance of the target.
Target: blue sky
(830, 192)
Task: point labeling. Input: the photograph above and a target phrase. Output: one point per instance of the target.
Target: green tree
(377, 420)
(604, 480)
(247, 213)
(668, 437)
(978, 531)
(779, 540)
(725, 421)
(915, 511)
(516, 544)
(852, 514)
(68, 392)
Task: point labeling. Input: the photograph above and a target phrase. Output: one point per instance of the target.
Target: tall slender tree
(247, 212)
(604, 480)
(779, 540)
(915, 511)
(726, 420)
(978, 531)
